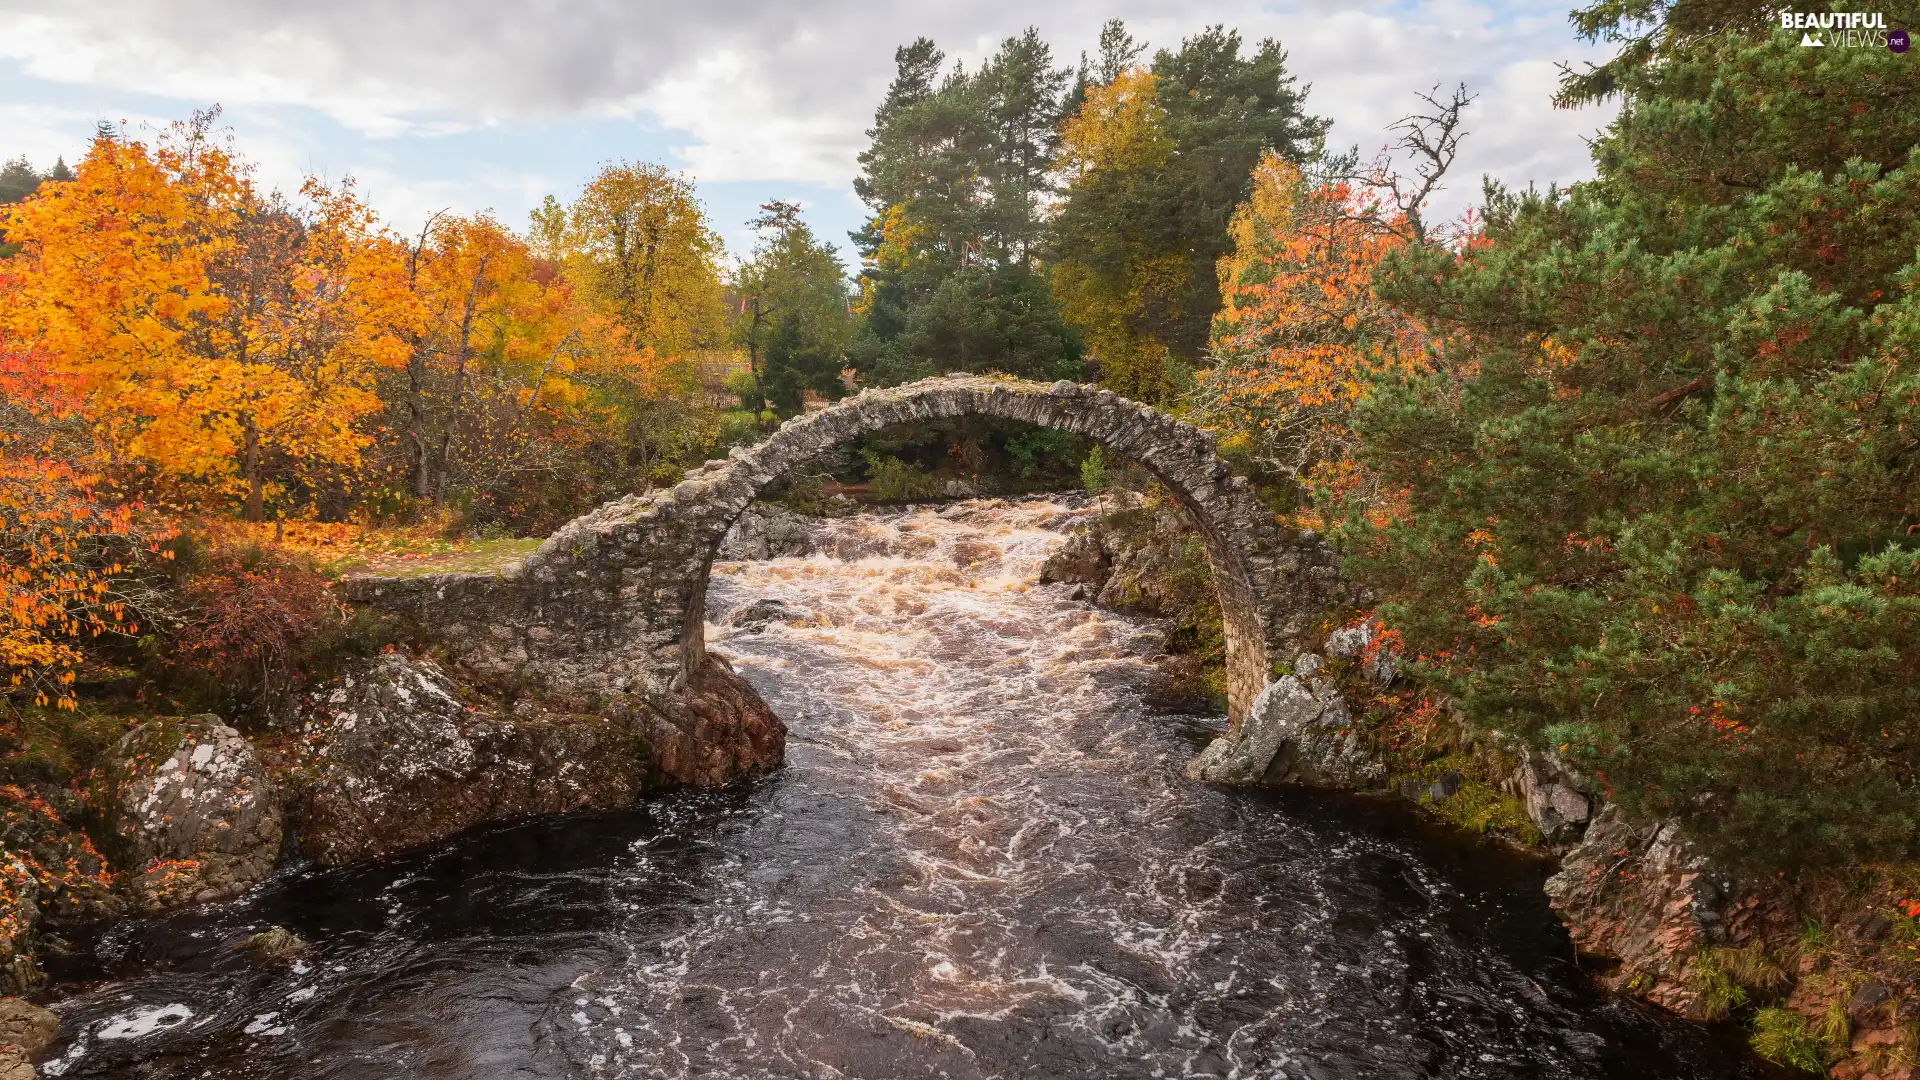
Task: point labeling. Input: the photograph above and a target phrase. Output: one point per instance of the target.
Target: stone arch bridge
(610, 609)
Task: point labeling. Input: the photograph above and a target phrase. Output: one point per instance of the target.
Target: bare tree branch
(1432, 138)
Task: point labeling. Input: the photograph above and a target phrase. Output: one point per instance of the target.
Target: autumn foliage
(1301, 337)
(221, 338)
(180, 347)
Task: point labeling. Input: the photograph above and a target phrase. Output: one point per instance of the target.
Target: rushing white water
(1019, 880)
(981, 860)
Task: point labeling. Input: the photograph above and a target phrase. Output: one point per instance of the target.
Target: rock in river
(1296, 732)
(196, 815)
(25, 1031)
(403, 756)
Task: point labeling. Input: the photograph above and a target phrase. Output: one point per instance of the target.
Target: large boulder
(196, 816)
(1081, 560)
(1640, 894)
(25, 1033)
(400, 754)
(718, 731)
(1297, 731)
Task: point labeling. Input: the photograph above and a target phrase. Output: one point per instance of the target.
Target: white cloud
(755, 90)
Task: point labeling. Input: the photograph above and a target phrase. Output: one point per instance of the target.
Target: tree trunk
(416, 373)
(417, 424)
(753, 364)
(251, 463)
(459, 385)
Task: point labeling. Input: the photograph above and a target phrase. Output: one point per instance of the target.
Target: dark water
(981, 861)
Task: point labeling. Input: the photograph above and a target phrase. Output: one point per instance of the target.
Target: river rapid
(981, 860)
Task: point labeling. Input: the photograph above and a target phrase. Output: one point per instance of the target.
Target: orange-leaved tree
(64, 548)
(226, 340)
(1301, 334)
(490, 406)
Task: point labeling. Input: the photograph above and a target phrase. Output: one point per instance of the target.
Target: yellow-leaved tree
(638, 240)
(1116, 279)
(647, 266)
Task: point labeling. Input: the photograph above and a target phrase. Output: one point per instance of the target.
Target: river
(981, 860)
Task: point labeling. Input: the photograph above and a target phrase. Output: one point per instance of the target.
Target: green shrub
(1785, 1037)
(739, 427)
(1093, 471)
(891, 480)
(743, 383)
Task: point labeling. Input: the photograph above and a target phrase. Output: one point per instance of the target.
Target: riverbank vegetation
(1632, 466)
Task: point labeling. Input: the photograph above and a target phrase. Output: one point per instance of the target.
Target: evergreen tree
(793, 318)
(1662, 489)
(17, 181)
(1157, 159)
(957, 176)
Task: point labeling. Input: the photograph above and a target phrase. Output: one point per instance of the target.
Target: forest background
(1630, 466)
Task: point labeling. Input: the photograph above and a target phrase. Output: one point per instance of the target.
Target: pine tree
(1663, 486)
(793, 318)
(17, 181)
(957, 176)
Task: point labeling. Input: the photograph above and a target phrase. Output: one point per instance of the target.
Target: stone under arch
(611, 606)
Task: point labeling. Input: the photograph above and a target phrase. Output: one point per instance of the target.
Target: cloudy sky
(491, 104)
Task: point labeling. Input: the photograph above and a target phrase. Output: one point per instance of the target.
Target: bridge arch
(613, 603)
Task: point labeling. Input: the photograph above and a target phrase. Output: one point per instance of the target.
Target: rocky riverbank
(1823, 972)
(394, 753)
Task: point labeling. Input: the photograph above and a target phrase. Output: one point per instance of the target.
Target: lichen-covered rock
(1296, 732)
(1559, 801)
(1355, 644)
(1640, 895)
(196, 817)
(400, 756)
(764, 531)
